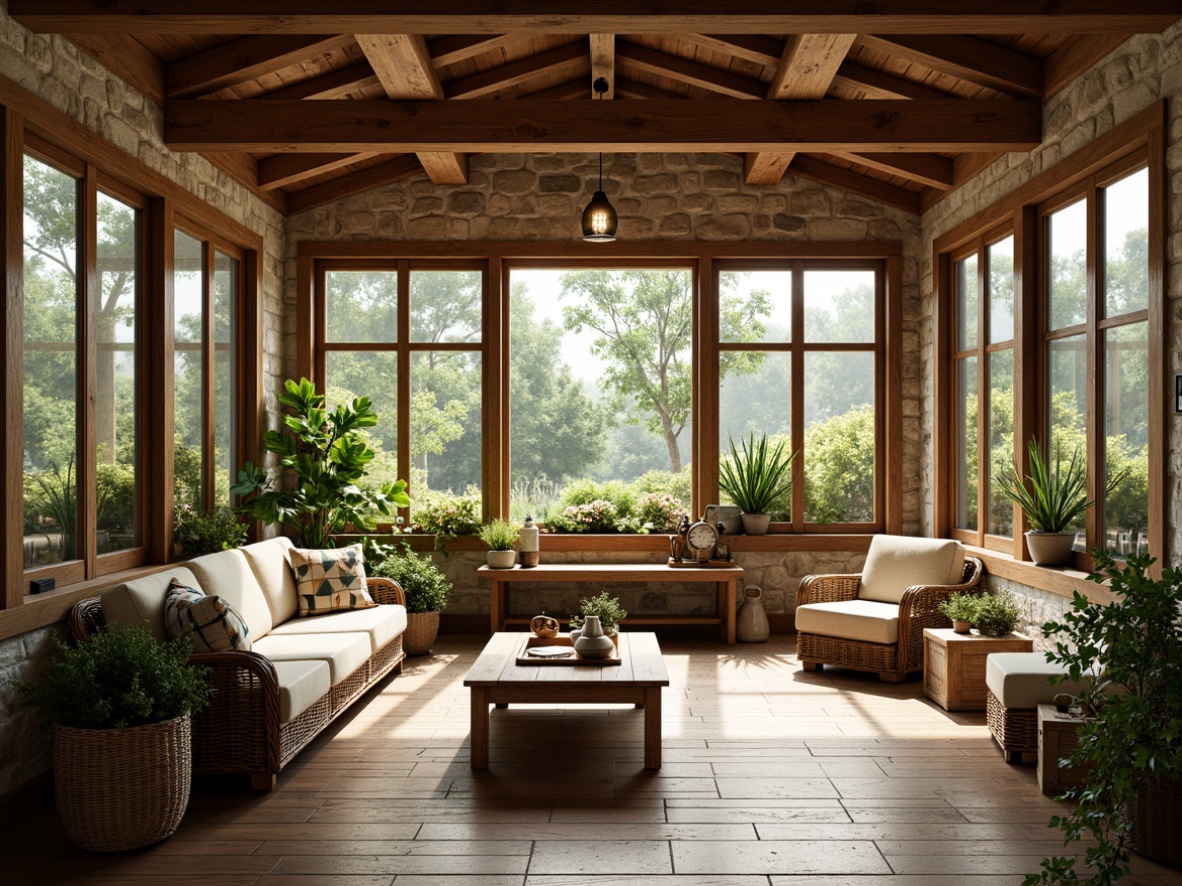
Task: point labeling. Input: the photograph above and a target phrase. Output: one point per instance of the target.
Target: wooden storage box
(1056, 740)
(954, 666)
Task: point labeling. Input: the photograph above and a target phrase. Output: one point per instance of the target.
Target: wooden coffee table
(496, 678)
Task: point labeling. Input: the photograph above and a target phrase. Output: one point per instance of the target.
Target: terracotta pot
(961, 627)
(1050, 548)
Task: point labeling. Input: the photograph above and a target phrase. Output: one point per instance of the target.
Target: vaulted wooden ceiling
(307, 101)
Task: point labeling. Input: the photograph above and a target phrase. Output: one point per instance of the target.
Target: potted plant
(119, 705)
(1131, 748)
(961, 609)
(426, 588)
(327, 453)
(996, 615)
(500, 536)
(196, 532)
(1052, 499)
(608, 609)
(755, 477)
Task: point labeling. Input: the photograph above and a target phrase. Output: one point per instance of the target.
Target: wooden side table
(1056, 740)
(954, 666)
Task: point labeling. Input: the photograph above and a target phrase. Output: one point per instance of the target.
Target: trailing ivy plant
(326, 454)
(1132, 648)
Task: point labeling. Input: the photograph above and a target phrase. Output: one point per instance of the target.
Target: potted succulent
(1131, 748)
(327, 452)
(608, 610)
(961, 609)
(1053, 499)
(755, 476)
(119, 705)
(500, 536)
(426, 588)
(996, 615)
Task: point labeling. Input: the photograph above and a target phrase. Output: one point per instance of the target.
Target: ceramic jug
(593, 642)
(751, 624)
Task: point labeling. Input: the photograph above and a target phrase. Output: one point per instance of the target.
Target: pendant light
(599, 218)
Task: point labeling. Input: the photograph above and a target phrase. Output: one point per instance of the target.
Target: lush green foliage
(960, 607)
(839, 468)
(447, 516)
(996, 615)
(119, 678)
(1133, 649)
(327, 455)
(199, 533)
(757, 475)
(609, 610)
(499, 535)
(426, 588)
(1051, 497)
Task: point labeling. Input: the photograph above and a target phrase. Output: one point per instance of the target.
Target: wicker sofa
(300, 673)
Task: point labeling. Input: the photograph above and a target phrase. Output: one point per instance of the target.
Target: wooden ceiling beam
(354, 183)
(126, 57)
(969, 58)
(242, 60)
(528, 125)
(403, 65)
(603, 63)
(931, 170)
(814, 168)
(806, 70)
(755, 48)
(282, 170)
(569, 58)
(454, 48)
(877, 84)
(575, 89)
(335, 84)
(631, 58)
(609, 17)
(626, 88)
(244, 169)
(1074, 57)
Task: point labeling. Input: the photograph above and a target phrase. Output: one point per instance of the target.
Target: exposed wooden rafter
(243, 60)
(354, 183)
(877, 84)
(812, 167)
(931, 170)
(457, 47)
(566, 59)
(755, 48)
(127, 57)
(969, 58)
(286, 169)
(529, 125)
(631, 58)
(335, 84)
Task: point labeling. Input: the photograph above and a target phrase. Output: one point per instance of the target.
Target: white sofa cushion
(272, 567)
(344, 652)
(382, 623)
(864, 620)
(894, 563)
(301, 684)
(228, 575)
(1021, 680)
(141, 601)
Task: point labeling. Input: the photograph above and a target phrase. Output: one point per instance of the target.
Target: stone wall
(55, 71)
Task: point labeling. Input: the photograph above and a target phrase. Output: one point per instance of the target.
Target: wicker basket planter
(421, 630)
(1157, 822)
(121, 789)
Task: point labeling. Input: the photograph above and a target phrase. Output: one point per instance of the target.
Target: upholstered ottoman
(1016, 683)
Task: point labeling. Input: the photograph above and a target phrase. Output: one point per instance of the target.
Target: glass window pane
(225, 381)
(361, 306)
(1126, 428)
(117, 259)
(839, 437)
(839, 306)
(50, 364)
(445, 425)
(1068, 404)
(353, 374)
(1001, 290)
(1126, 244)
(755, 306)
(967, 303)
(1001, 438)
(187, 287)
(966, 444)
(445, 305)
(757, 399)
(1067, 239)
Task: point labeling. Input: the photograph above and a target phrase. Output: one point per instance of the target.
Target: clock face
(701, 539)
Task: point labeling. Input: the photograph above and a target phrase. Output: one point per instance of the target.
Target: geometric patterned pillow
(329, 580)
(215, 624)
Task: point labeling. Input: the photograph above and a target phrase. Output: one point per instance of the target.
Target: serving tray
(559, 642)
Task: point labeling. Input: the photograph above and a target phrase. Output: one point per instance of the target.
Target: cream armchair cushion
(853, 619)
(895, 563)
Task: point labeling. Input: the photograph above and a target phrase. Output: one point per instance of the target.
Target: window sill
(1062, 581)
(657, 542)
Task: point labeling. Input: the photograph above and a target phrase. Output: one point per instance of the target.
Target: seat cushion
(895, 563)
(141, 602)
(328, 580)
(271, 566)
(344, 652)
(228, 575)
(382, 623)
(863, 620)
(301, 685)
(214, 623)
(1022, 679)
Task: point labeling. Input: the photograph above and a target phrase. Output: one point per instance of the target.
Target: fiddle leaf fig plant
(324, 455)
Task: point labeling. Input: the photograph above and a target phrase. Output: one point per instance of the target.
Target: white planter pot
(1050, 548)
(501, 559)
(756, 524)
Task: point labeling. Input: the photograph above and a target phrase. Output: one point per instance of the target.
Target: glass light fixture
(599, 218)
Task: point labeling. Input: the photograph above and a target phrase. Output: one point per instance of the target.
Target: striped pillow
(329, 580)
(216, 626)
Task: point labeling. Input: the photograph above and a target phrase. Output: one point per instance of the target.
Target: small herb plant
(960, 607)
(609, 610)
(499, 535)
(426, 588)
(1052, 498)
(1134, 742)
(996, 615)
(758, 474)
(119, 678)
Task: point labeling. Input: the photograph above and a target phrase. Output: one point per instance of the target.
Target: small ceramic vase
(593, 642)
(751, 623)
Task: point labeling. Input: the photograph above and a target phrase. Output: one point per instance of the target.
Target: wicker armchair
(851, 621)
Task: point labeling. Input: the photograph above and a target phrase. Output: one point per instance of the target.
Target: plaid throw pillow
(216, 626)
(327, 581)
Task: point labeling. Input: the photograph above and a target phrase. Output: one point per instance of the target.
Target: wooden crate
(954, 666)
(1056, 740)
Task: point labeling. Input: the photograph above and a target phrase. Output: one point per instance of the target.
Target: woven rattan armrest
(924, 597)
(385, 591)
(828, 588)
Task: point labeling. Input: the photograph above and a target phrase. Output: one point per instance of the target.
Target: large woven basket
(421, 630)
(121, 789)
(1157, 823)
